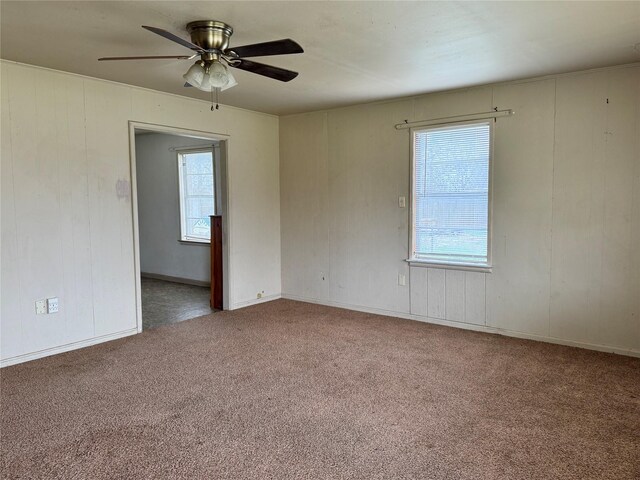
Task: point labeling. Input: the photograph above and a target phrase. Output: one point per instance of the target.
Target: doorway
(179, 180)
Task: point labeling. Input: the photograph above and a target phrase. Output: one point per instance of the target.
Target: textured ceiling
(354, 51)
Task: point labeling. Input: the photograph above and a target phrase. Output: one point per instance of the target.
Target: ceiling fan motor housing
(210, 34)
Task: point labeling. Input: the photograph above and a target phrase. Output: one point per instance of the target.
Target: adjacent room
(176, 196)
(320, 240)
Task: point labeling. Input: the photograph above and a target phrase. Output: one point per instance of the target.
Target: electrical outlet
(52, 305)
(402, 280)
(402, 202)
(41, 307)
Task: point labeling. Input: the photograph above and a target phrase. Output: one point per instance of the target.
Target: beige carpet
(290, 390)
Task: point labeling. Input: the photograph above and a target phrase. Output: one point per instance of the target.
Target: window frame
(451, 264)
(183, 237)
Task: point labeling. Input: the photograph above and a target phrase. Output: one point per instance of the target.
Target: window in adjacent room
(197, 196)
(451, 211)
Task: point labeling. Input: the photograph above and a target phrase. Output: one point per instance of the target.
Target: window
(197, 197)
(451, 194)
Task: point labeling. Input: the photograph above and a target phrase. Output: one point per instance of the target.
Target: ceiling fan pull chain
(216, 90)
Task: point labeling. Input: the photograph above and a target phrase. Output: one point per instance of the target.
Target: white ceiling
(354, 51)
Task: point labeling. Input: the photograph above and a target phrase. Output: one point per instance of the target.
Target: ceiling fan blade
(276, 47)
(172, 37)
(177, 57)
(276, 73)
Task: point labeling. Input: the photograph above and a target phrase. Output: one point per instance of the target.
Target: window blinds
(451, 193)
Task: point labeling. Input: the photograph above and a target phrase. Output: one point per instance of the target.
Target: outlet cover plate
(52, 305)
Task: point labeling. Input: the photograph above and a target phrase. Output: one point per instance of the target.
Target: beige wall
(66, 231)
(566, 206)
(566, 211)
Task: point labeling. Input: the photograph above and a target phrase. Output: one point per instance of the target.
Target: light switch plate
(402, 202)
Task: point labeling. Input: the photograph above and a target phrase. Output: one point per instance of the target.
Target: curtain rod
(455, 119)
(194, 147)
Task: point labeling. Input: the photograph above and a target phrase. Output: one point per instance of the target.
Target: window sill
(205, 243)
(468, 267)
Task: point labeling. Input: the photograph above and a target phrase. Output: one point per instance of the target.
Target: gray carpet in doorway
(289, 390)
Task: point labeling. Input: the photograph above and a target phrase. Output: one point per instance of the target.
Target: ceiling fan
(210, 41)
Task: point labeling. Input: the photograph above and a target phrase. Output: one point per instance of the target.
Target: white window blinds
(451, 194)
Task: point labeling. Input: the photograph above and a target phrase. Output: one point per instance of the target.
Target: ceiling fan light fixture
(231, 81)
(195, 75)
(218, 75)
(209, 77)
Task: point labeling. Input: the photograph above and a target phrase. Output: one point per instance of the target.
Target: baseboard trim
(255, 301)
(65, 348)
(169, 278)
(468, 326)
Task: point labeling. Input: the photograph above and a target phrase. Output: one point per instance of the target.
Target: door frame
(223, 141)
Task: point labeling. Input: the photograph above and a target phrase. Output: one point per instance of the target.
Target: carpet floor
(290, 390)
